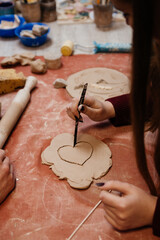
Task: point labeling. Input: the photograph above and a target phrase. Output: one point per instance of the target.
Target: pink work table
(42, 207)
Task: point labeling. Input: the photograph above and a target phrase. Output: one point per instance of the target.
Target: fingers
(90, 101)
(7, 166)
(89, 111)
(2, 155)
(7, 178)
(110, 199)
(5, 161)
(119, 186)
(70, 113)
(72, 110)
(114, 192)
(91, 107)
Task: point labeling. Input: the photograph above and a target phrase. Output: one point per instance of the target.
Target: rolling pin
(16, 108)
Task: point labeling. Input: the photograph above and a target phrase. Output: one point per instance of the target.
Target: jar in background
(6, 7)
(103, 15)
(48, 10)
(31, 11)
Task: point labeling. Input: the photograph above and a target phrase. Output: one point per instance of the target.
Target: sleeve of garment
(122, 110)
(156, 219)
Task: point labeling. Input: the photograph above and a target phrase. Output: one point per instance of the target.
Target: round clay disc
(103, 83)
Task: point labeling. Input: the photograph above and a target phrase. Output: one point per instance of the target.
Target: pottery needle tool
(93, 209)
(77, 119)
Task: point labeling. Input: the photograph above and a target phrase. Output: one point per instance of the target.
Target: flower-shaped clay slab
(89, 159)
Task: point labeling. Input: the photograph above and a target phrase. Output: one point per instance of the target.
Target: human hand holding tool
(93, 108)
(131, 209)
(78, 119)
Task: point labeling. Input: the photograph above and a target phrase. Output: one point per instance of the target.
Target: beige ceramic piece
(103, 83)
(90, 159)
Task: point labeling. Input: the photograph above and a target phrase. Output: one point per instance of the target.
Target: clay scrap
(27, 58)
(38, 66)
(10, 24)
(37, 31)
(22, 59)
(59, 83)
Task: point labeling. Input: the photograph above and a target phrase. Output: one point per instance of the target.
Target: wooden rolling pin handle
(15, 109)
(30, 83)
(23, 95)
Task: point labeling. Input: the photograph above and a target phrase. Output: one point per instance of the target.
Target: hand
(133, 208)
(93, 108)
(7, 178)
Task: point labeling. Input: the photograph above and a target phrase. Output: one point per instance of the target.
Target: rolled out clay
(103, 83)
(90, 159)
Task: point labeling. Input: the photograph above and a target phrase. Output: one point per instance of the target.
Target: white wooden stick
(84, 220)
(16, 108)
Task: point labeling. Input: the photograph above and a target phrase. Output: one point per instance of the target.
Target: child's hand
(132, 209)
(93, 108)
(7, 178)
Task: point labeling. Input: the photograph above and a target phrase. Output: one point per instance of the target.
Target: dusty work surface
(42, 207)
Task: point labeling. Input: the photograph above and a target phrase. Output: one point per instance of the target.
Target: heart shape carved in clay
(76, 155)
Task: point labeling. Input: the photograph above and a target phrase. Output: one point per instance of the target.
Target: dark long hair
(143, 12)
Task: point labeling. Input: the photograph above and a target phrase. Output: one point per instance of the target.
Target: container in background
(67, 48)
(48, 10)
(11, 31)
(31, 42)
(103, 15)
(31, 11)
(6, 7)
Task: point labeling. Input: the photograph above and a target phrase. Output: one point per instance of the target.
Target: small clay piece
(8, 24)
(89, 159)
(27, 33)
(22, 61)
(53, 61)
(38, 66)
(28, 55)
(39, 30)
(16, 19)
(24, 58)
(25, 61)
(9, 62)
(60, 83)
